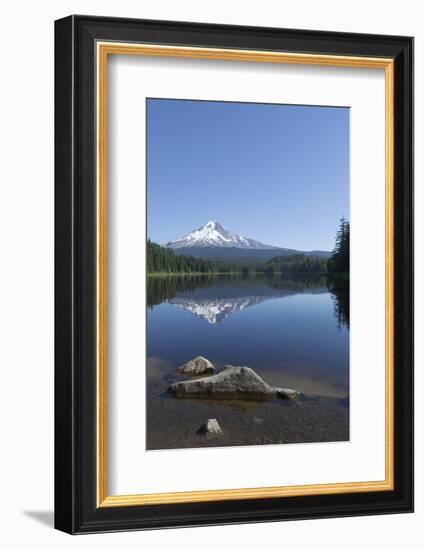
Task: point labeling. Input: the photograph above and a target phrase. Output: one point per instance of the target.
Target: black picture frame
(76, 510)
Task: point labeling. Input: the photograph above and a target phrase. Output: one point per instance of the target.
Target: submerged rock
(198, 365)
(230, 383)
(286, 393)
(211, 428)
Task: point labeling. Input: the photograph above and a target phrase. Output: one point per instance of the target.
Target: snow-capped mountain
(213, 234)
(215, 311)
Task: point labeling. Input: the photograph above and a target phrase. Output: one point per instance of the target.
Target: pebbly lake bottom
(174, 423)
(291, 330)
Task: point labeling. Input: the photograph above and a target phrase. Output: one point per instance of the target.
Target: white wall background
(26, 275)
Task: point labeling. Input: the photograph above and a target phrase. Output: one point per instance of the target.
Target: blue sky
(275, 173)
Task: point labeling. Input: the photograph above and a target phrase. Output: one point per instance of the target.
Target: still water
(292, 330)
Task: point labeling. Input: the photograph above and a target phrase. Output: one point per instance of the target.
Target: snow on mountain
(213, 234)
(215, 311)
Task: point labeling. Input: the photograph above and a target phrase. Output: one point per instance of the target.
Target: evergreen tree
(339, 261)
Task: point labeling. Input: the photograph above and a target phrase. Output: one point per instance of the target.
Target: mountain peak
(212, 225)
(213, 234)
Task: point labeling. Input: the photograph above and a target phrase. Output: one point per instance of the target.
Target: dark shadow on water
(46, 517)
(239, 404)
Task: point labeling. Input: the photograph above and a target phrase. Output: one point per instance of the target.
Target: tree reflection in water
(339, 288)
(165, 288)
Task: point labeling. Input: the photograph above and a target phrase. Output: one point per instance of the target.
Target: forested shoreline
(163, 261)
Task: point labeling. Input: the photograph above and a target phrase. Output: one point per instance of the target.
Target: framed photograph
(234, 270)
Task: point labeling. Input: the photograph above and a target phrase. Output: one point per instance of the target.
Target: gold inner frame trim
(103, 50)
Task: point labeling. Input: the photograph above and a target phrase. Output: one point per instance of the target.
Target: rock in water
(198, 365)
(230, 383)
(286, 393)
(211, 428)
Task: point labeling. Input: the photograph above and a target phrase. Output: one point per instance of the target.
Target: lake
(292, 330)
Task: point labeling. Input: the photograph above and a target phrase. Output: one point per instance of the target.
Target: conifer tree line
(164, 260)
(295, 263)
(339, 260)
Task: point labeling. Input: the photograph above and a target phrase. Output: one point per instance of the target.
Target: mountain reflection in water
(215, 311)
(215, 298)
